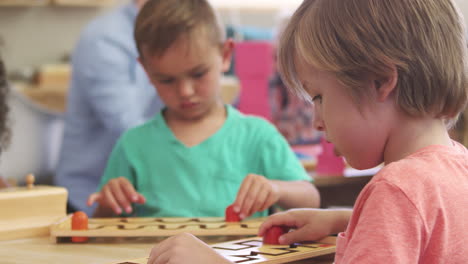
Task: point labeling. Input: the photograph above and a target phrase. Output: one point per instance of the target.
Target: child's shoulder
(251, 122)
(143, 131)
(430, 164)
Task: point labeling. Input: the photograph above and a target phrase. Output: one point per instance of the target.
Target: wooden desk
(42, 251)
(340, 191)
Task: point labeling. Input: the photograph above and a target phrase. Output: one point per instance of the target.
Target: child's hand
(184, 248)
(117, 195)
(309, 224)
(256, 193)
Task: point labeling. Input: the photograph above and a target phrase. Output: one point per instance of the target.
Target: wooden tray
(155, 227)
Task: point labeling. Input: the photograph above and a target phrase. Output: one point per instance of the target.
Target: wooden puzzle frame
(155, 227)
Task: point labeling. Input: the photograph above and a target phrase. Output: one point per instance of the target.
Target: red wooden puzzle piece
(79, 221)
(273, 233)
(231, 216)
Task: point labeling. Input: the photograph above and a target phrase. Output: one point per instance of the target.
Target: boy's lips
(335, 150)
(188, 104)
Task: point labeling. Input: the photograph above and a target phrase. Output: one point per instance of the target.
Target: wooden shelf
(24, 2)
(76, 3)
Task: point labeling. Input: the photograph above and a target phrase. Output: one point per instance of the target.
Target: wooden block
(54, 76)
(251, 250)
(30, 212)
(155, 227)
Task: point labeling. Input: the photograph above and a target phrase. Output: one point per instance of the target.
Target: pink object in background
(328, 164)
(253, 67)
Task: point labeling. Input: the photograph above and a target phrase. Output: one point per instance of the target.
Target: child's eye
(317, 98)
(198, 75)
(166, 81)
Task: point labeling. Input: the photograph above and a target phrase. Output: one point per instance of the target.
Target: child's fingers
(93, 198)
(293, 237)
(141, 199)
(269, 201)
(110, 201)
(129, 190)
(279, 219)
(243, 190)
(259, 196)
(162, 258)
(250, 199)
(157, 253)
(122, 200)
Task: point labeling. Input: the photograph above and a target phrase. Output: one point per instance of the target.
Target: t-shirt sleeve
(104, 73)
(118, 165)
(277, 159)
(386, 227)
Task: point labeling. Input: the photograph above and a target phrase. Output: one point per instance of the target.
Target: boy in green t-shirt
(197, 156)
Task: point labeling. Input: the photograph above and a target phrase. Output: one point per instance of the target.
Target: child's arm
(258, 193)
(309, 224)
(185, 248)
(115, 197)
(297, 194)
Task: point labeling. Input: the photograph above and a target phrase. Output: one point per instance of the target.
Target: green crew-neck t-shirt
(200, 181)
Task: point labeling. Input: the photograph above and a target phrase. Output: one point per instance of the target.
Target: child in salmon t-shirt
(387, 78)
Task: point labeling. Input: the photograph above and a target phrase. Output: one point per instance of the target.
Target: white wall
(463, 4)
(36, 35)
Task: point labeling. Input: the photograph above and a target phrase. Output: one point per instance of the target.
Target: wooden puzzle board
(251, 250)
(155, 227)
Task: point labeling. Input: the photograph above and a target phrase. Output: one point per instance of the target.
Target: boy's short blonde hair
(160, 23)
(355, 39)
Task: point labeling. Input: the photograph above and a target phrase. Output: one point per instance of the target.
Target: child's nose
(317, 120)
(186, 88)
(318, 124)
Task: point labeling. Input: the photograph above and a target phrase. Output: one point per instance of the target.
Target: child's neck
(413, 134)
(193, 132)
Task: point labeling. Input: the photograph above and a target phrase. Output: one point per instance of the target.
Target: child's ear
(385, 85)
(226, 52)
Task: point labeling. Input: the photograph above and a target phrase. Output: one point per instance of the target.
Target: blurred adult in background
(4, 129)
(109, 93)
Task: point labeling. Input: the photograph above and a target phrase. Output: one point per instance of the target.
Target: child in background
(386, 78)
(4, 130)
(197, 156)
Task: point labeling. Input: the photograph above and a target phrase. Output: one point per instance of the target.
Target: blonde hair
(160, 23)
(355, 39)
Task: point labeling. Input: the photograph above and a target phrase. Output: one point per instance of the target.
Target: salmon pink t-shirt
(414, 210)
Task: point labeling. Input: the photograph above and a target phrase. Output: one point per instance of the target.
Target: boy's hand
(309, 224)
(117, 195)
(184, 248)
(256, 193)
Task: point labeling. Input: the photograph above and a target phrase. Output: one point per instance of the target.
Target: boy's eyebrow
(192, 70)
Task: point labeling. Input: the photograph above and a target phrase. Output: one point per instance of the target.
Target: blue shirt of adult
(109, 93)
